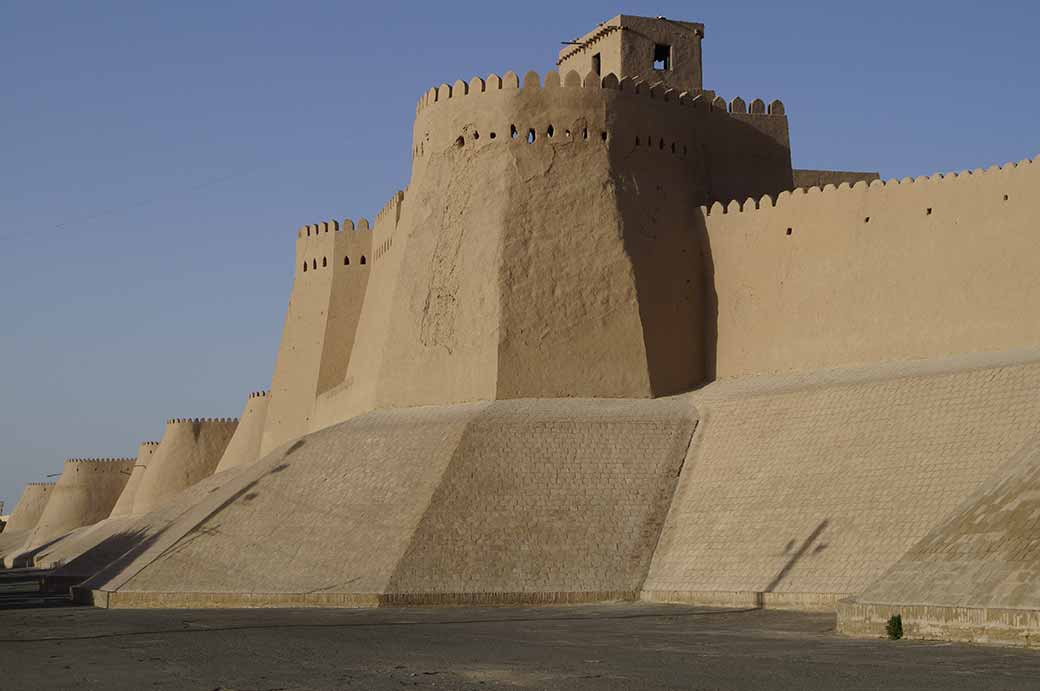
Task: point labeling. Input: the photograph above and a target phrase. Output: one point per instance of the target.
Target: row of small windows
(532, 135)
(661, 145)
(325, 262)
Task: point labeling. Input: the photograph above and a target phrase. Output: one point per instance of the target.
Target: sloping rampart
(895, 270)
(537, 501)
(799, 491)
(189, 451)
(974, 577)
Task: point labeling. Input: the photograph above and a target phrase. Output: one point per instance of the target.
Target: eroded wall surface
(922, 268)
(189, 451)
(545, 248)
(801, 490)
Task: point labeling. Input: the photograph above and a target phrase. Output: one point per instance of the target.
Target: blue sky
(156, 159)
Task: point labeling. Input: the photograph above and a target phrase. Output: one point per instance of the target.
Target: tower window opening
(550, 132)
(363, 261)
(460, 142)
(662, 57)
(928, 211)
(597, 64)
(492, 135)
(584, 132)
(314, 263)
(305, 267)
(530, 136)
(346, 261)
(513, 132)
(790, 230)
(476, 135)
(324, 261)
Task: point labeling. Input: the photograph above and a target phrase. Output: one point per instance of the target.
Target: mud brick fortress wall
(603, 346)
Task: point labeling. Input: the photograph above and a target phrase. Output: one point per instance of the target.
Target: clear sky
(157, 158)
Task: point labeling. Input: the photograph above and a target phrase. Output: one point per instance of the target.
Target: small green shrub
(894, 627)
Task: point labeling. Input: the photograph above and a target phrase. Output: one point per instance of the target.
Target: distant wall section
(125, 505)
(30, 506)
(84, 494)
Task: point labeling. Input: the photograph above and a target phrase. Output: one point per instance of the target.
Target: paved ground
(623, 646)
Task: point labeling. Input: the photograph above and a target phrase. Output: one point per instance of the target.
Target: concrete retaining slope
(512, 501)
(244, 447)
(974, 577)
(125, 505)
(189, 451)
(84, 494)
(800, 491)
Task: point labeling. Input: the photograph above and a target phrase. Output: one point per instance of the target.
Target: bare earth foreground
(45, 644)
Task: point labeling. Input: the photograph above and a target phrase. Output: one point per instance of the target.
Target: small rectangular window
(662, 57)
(597, 64)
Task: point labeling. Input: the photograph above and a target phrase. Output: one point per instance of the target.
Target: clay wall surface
(821, 178)
(84, 494)
(189, 451)
(30, 506)
(626, 44)
(356, 392)
(244, 447)
(529, 245)
(329, 284)
(905, 269)
(801, 490)
(125, 505)
(514, 500)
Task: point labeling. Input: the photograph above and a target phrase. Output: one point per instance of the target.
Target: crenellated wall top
(197, 420)
(633, 86)
(920, 182)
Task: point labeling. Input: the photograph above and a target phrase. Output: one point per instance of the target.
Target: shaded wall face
(895, 271)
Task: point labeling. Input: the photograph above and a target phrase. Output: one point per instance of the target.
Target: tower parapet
(332, 266)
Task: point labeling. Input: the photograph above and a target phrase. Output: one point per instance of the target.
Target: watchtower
(656, 49)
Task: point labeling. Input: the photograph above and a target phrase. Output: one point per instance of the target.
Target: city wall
(244, 447)
(30, 507)
(543, 248)
(189, 451)
(84, 494)
(125, 505)
(329, 285)
(906, 269)
(801, 490)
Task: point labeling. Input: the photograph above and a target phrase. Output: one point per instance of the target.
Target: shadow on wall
(805, 548)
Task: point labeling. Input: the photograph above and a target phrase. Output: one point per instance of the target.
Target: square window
(597, 64)
(662, 57)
